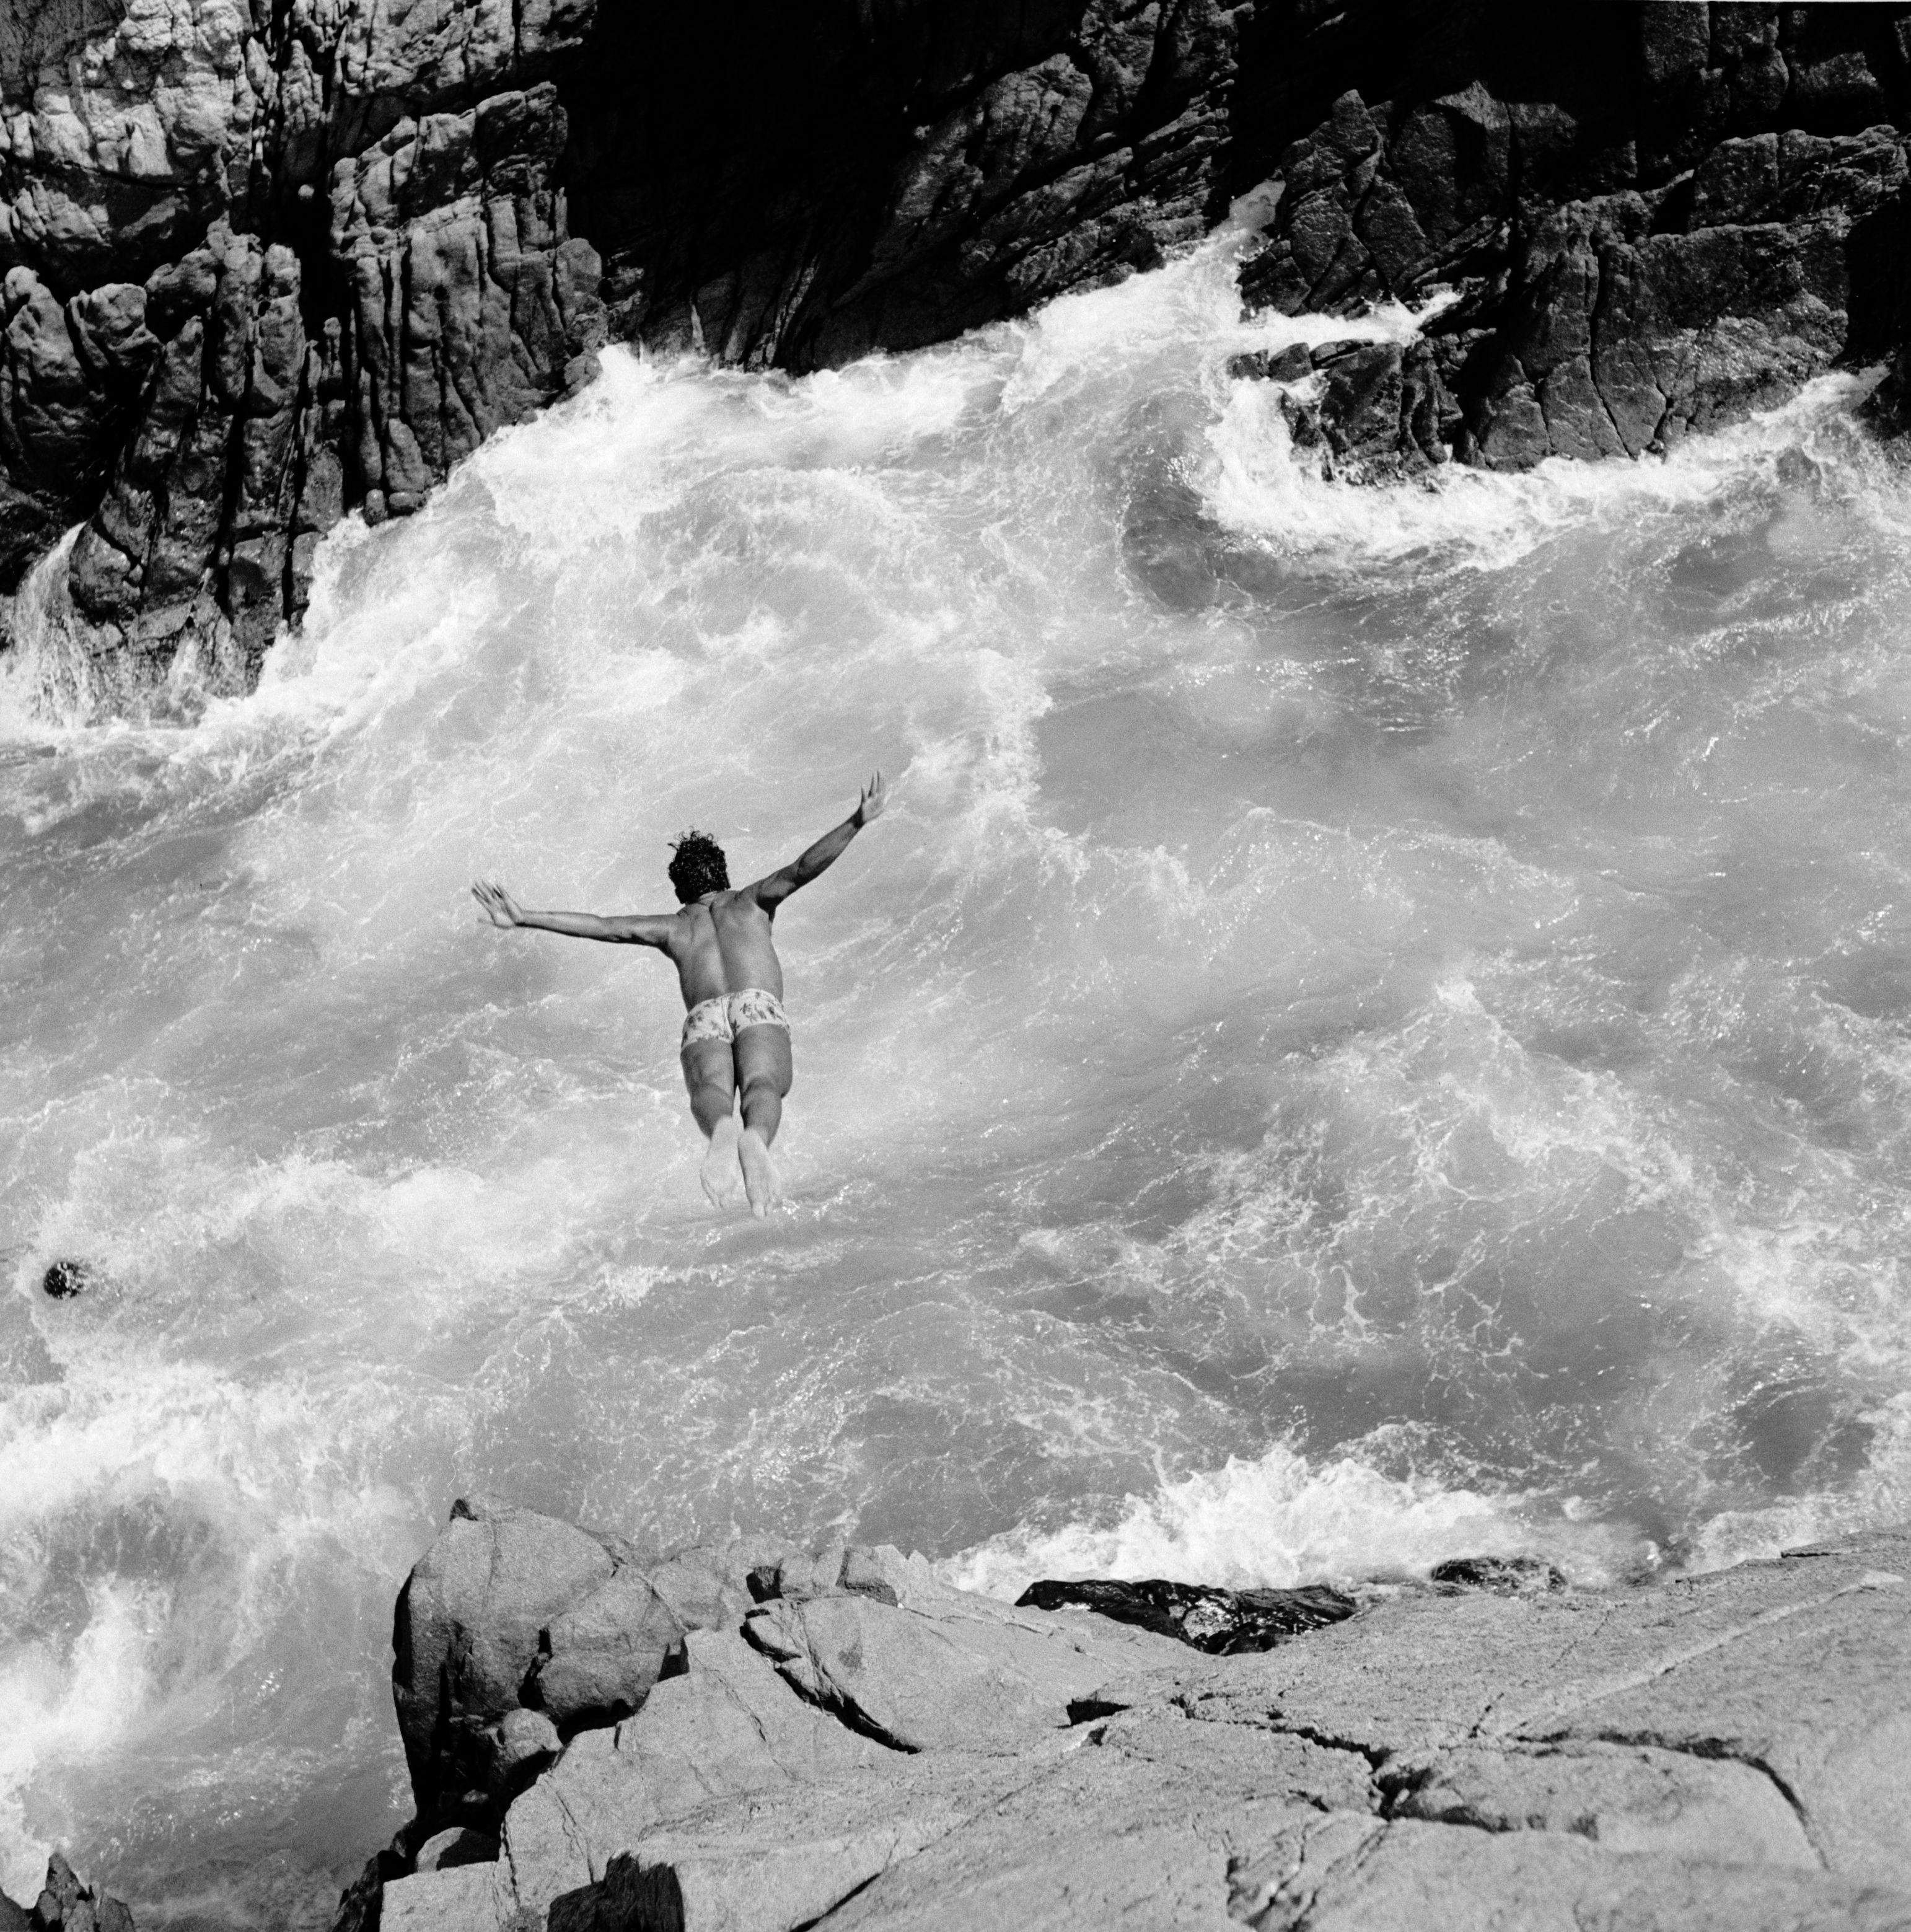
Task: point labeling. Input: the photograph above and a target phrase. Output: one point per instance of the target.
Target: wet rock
(67, 1905)
(1498, 1573)
(1224, 1623)
(65, 1279)
(266, 266)
(1651, 229)
(1293, 363)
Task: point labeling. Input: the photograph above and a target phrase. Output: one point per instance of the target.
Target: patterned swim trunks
(726, 1016)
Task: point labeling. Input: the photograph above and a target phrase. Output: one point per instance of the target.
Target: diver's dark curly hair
(699, 866)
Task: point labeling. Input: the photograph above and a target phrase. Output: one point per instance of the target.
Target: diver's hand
(498, 906)
(873, 800)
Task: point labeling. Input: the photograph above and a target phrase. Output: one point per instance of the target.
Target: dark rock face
(64, 1280)
(795, 186)
(1224, 1623)
(259, 267)
(1671, 217)
(1505, 1574)
(65, 1905)
(333, 248)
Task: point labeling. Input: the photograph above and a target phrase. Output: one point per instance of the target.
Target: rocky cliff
(748, 1738)
(264, 264)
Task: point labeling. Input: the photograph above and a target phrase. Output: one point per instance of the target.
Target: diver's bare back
(725, 945)
(736, 1043)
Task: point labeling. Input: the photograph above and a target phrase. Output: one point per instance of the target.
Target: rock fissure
(1306, 1781)
(1723, 1751)
(466, 200)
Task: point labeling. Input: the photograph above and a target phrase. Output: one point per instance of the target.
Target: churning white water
(1374, 1028)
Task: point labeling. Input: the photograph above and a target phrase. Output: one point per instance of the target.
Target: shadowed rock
(1222, 1622)
(1498, 1573)
(65, 1904)
(264, 267)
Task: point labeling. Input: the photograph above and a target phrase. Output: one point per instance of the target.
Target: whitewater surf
(1374, 1029)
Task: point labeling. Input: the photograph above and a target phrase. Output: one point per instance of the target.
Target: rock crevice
(265, 265)
(840, 1739)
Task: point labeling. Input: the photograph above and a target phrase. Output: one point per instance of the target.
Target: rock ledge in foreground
(840, 1740)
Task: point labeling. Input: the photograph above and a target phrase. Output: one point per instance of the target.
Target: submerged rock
(1224, 1623)
(65, 1279)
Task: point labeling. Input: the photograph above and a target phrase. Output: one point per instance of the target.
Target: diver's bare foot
(722, 1176)
(764, 1184)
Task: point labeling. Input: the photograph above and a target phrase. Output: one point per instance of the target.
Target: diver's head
(699, 866)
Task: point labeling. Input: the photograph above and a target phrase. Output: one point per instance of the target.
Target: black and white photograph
(1215, 1234)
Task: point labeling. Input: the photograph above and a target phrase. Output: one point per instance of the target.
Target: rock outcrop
(864, 1746)
(1652, 224)
(260, 265)
(65, 1904)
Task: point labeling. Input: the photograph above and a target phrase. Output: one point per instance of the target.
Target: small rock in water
(1224, 1623)
(1291, 365)
(63, 1279)
(1507, 1574)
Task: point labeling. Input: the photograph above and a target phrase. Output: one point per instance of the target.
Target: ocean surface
(1377, 1026)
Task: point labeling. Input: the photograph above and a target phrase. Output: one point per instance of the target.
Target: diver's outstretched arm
(630, 928)
(772, 890)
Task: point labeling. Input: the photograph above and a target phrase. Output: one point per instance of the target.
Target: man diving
(735, 1039)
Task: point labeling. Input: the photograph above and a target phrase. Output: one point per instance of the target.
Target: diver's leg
(709, 1073)
(764, 1075)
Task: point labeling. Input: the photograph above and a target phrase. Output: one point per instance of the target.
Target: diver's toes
(759, 1172)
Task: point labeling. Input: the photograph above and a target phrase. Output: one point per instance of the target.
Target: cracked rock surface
(263, 262)
(1649, 225)
(852, 1743)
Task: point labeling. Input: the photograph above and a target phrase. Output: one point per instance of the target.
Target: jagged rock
(514, 1631)
(366, 235)
(1724, 1752)
(1655, 224)
(1222, 1622)
(473, 306)
(1498, 1573)
(1293, 363)
(128, 132)
(67, 1905)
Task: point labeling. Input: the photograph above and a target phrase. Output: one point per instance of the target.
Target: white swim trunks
(726, 1016)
